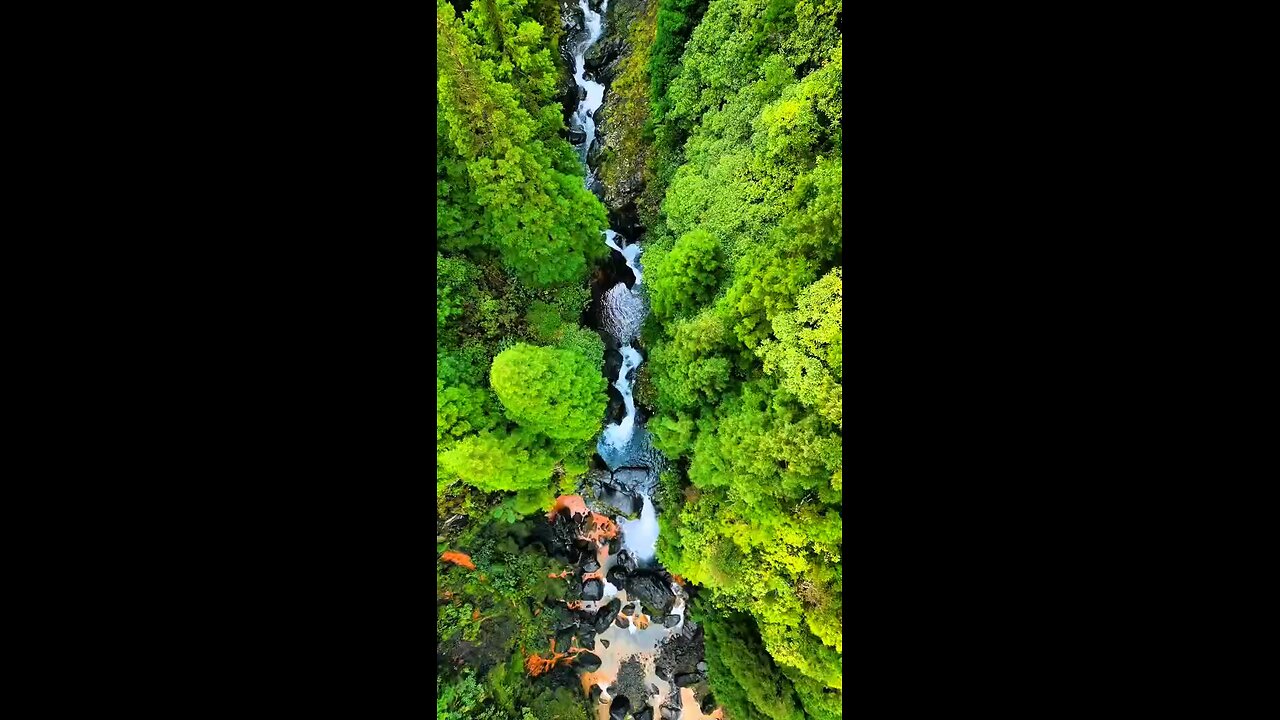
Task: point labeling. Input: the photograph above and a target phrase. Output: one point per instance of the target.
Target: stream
(633, 465)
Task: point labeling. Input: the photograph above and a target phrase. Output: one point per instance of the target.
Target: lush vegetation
(733, 110)
(745, 340)
(519, 393)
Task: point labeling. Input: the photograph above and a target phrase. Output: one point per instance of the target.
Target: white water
(622, 313)
(618, 435)
(630, 252)
(595, 91)
(641, 536)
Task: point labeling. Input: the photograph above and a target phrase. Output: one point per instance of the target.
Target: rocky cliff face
(620, 155)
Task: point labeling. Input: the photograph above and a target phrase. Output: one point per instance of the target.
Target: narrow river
(633, 464)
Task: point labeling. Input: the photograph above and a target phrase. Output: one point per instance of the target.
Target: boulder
(702, 666)
(627, 610)
(687, 679)
(655, 596)
(564, 638)
(592, 589)
(591, 565)
(594, 153)
(631, 478)
(605, 643)
(673, 702)
(587, 639)
(588, 661)
(627, 561)
(708, 704)
(617, 576)
(573, 19)
(605, 615)
(603, 53)
(620, 707)
(671, 621)
(622, 622)
(577, 135)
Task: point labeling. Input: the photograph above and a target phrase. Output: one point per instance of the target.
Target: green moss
(628, 111)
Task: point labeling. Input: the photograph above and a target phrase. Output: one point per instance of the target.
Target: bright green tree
(556, 392)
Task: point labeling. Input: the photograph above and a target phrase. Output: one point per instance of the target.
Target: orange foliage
(459, 559)
(679, 580)
(574, 502)
(597, 575)
(602, 528)
(537, 665)
(562, 575)
(641, 621)
(575, 605)
(475, 615)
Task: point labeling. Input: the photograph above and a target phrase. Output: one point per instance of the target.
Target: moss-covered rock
(623, 168)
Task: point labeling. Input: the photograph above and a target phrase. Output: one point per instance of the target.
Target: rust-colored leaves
(459, 559)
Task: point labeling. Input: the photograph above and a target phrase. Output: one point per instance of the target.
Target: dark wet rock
(702, 667)
(671, 621)
(615, 545)
(620, 708)
(577, 135)
(653, 689)
(687, 679)
(605, 643)
(627, 561)
(582, 95)
(654, 594)
(628, 609)
(622, 622)
(631, 478)
(592, 589)
(617, 576)
(593, 155)
(608, 494)
(672, 704)
(616, 410)
(563, 675)
(708, 703)
(588, 661)
(561, 536)
(612, 363)
(603, 54)
(679, 656)
(605, 615)
(573, 19)
(591, 565)
(564, 638)
(587, 639)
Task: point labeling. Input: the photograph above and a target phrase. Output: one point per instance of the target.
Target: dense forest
(729, 113)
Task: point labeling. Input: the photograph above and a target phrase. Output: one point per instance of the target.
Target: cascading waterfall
(626, 443)
(584, 116)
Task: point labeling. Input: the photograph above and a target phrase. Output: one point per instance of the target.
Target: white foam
(641, 536)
